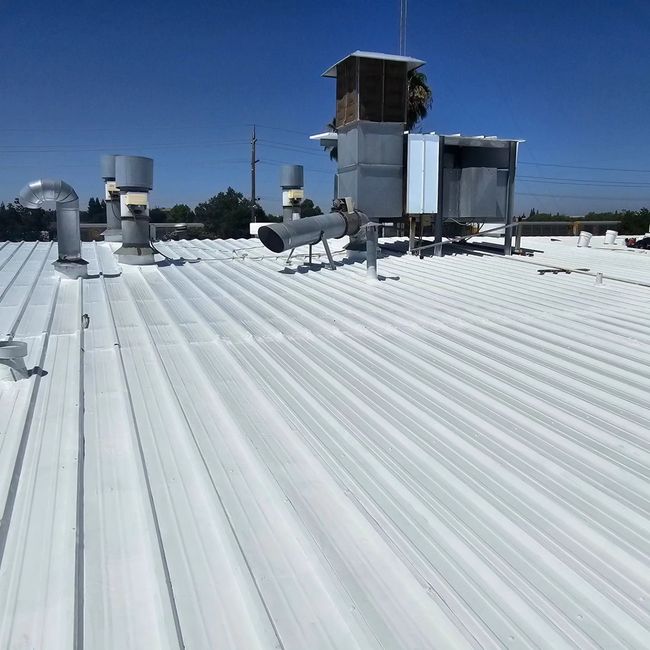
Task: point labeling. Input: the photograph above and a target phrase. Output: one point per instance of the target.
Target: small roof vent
(12, 355)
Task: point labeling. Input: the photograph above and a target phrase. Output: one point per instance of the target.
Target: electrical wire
(583, 196)
(601, 169)
(581, 181)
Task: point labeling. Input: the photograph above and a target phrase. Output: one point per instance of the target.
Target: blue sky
(182, 82)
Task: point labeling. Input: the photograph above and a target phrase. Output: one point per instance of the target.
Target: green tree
(227, 215)
(158, 215)
(635, 222)
(18, 223)
(308, 209)
(181, 213)
(96, 212)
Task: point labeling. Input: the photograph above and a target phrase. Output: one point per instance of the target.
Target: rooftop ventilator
(133, 181)
(113, 230)
(34, 195)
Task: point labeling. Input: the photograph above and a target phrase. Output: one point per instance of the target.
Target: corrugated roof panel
(457, 456)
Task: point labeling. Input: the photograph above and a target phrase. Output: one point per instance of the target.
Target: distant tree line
(225, 215)
(631, 222)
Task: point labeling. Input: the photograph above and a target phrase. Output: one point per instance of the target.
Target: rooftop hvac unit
(371, 101)
(464, 179)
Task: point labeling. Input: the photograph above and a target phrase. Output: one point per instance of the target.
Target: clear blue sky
(181, 82)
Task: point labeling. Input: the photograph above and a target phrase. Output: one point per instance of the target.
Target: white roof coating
(237, 455)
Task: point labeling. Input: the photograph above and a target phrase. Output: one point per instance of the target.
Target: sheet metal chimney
(134, 179)
(68, 235)
(292, 182)
(113, 230)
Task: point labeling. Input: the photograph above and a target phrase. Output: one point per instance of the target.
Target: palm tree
(334, 151)
(420, 100)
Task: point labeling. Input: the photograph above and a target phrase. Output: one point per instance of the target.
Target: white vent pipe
(584, 239)
(38, 192)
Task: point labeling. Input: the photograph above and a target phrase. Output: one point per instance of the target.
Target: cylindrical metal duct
(107, 164)
(291, 176)
(280, 237)
(38, 192)
(133, 172)
(113, 230)
(291, 181)
(134, 179)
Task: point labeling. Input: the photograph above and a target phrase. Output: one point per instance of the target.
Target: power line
(601, 169)
(289, 147)
(277, 163)
(596, 198)
(93, 148)
(579, 182)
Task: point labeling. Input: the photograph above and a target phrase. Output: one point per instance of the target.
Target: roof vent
(12, 355)
(134, 179)
(113, 230)
(68, 235)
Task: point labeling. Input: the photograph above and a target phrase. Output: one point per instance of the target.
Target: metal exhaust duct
(280, 237)
(113, 230)
(134, 179)
(292, 183)
(68, 237)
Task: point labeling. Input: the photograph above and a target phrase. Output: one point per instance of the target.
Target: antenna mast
(402, 26)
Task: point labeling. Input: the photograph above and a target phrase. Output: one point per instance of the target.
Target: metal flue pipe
(280, 237)
(38, 192)
(113, 230)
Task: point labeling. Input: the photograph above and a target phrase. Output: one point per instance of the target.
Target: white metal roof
(412, 64)
(457, 456)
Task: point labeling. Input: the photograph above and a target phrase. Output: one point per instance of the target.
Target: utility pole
(254, 162)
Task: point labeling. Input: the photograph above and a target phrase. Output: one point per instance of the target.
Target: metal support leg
(411, 234)
(290, 254)
(371, 252)
(326, 246)
(437, 236)
(507, 237)
(518, 238)
(310, 251)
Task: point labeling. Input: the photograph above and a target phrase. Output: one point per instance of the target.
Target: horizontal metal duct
(281, 237)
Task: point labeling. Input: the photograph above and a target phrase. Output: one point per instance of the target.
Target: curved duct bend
(38, 192)
(281, 237)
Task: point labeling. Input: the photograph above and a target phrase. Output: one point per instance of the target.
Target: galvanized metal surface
(279, 237)
(36, 193)
(133, 172)
(456, 456)
(292, 176)
(371, 167)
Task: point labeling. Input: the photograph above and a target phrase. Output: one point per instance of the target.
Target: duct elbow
(36, 193)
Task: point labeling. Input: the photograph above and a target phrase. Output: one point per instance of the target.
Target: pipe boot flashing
(38, 192)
